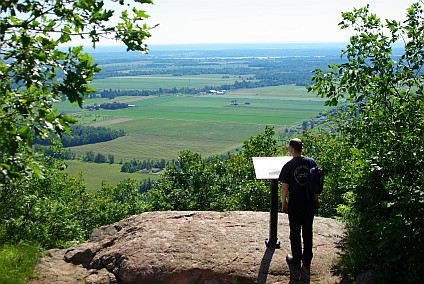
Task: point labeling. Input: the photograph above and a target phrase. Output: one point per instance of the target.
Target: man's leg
(295, 239)
(307, 239)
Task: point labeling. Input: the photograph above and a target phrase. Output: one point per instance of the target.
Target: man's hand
(316, 201)
(284, 190)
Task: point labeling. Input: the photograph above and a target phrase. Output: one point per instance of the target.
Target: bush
(218, 184)
(56, 211)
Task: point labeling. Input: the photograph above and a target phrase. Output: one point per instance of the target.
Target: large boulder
(190, 247)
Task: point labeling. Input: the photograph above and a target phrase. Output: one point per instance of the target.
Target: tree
(36, 70)
(111, 158)
(196, 183)
(382, 123)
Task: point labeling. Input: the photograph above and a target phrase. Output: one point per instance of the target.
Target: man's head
(296, 145)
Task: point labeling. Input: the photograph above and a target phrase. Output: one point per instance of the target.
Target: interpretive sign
(270, 168)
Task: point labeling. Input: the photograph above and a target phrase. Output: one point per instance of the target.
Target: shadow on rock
(265, 263)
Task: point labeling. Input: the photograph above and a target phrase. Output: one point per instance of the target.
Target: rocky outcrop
(190, 247)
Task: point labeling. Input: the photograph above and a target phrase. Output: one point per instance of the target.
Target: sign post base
(272, 244)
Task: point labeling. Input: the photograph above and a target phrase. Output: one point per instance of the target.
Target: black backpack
(315, 180)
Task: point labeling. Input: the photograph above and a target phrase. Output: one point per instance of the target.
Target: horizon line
(233, 43)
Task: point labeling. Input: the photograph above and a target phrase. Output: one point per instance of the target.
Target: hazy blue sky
(248, 21)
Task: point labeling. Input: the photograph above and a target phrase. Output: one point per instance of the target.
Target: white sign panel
(269, 167)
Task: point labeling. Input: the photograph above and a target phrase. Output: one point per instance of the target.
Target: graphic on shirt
(301, 174)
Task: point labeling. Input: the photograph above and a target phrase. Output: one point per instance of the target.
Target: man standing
(300, 209)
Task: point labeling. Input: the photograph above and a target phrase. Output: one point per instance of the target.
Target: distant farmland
(95, 174)
(262, 88)
(160, 127)
(165, 81)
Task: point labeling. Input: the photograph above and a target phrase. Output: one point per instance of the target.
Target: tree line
(137, 165)
(82, 135)
(113, 105)
(281, 70)
(277, 80)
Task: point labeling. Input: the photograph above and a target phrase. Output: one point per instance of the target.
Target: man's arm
(284, 189)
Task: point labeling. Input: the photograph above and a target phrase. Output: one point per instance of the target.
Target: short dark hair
(296, 143)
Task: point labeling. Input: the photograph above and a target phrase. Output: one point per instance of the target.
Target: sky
(259, 21)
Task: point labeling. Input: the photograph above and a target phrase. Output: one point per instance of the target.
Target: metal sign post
(270, 168)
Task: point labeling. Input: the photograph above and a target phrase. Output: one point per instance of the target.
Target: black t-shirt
(295, 173)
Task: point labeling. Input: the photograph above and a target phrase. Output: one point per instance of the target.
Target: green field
(159, 127)
(255, 110)
(163, 139)
(95, 174)
(285, 92)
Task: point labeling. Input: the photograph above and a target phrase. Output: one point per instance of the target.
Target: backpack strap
(308, 180)
(311, 162)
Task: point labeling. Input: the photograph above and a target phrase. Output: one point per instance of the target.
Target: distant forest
(269, 66)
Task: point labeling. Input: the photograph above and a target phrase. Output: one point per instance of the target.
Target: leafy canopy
(382, 124)
(36, 69)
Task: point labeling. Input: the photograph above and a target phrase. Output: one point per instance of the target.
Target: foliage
(37, 201)
(382, 125)
(17, 262)
(47, 210)
(331, 154)
(113, 105)
(113, 203)
(215, 184)
(57, 210)
(136, 165)
(35, 71)
(82, 134)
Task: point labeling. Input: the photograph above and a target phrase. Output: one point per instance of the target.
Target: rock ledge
(190, 247)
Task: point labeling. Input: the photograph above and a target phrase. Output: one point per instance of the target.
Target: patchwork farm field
(159, 127)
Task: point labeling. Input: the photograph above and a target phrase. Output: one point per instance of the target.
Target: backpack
(315, 180)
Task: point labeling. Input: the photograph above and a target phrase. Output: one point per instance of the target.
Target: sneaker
(295, 269)
(290, 261)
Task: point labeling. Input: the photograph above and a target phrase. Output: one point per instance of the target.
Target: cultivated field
(162, 126)
(95, 174)
(159, 127)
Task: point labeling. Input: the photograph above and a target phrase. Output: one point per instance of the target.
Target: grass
(94, 174)
(17, 263)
